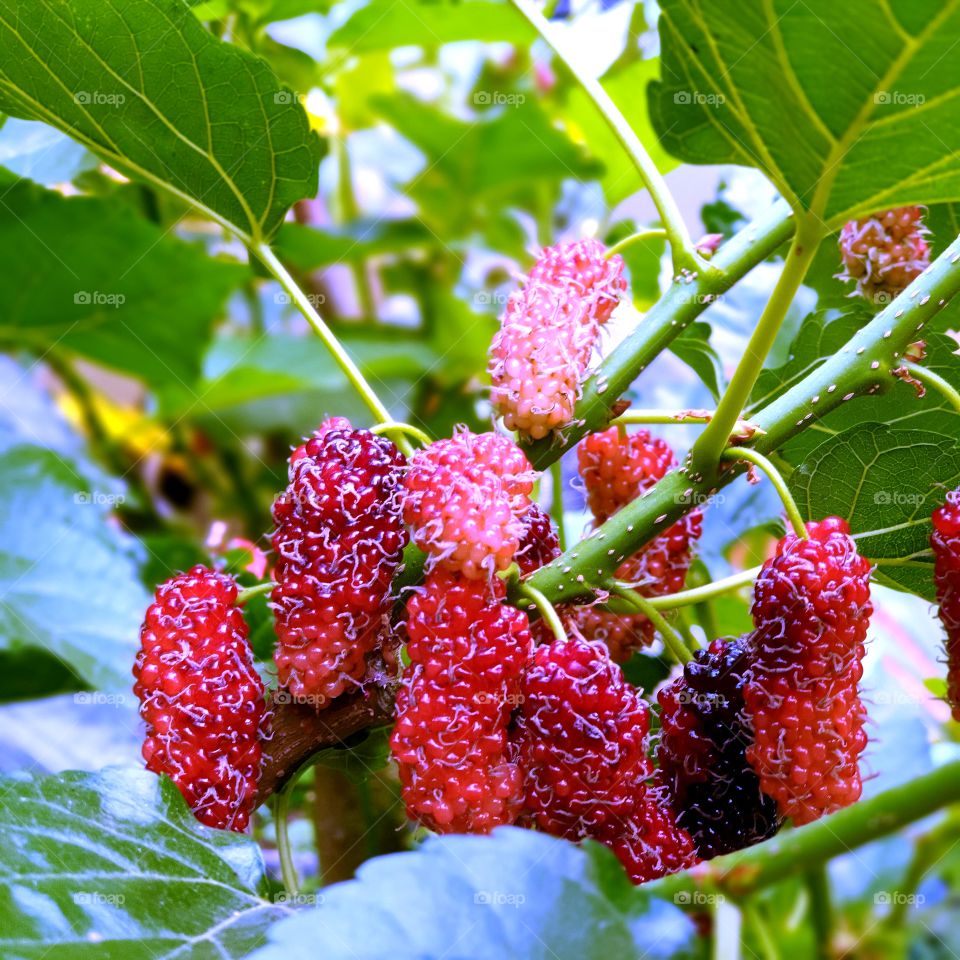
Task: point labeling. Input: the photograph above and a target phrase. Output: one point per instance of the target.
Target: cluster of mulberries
(885, 252)
(701, 755)
(617, 467)
(811, 611)
(581, 740)
(946, 551)
(339, 539)
(548, 332)
(467, 650)
(201, 696)
(466, 499)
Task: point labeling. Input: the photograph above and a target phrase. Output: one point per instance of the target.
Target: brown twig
(300, 731)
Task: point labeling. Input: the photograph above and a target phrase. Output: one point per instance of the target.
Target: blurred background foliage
(154, 382)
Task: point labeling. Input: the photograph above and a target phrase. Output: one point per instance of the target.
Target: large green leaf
(68, 578)
(886, 480)
(517, 893)
(383, 24)
(88, 275)
(848, 107)
(115, 866)
(153, 93)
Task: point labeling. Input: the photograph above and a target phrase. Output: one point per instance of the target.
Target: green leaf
(517, 893)
(693, 347)
(869, 90)
(360, 761)
(148, 89)
(115, 865)
(68, 577)
(886, 480)
(89, 276)
(384, 24)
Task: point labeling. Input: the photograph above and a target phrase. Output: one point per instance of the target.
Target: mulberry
(811, 611)
(339, 539)
(201, 696)
(540, 355)
(467, 650)
(946, 551)
(702, 754)
(885, 252)
(466, 498)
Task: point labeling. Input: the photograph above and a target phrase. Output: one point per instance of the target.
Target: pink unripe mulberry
(465, 499)
(541, 353)
(885, 252)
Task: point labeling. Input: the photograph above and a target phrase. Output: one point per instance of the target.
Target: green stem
(248, 593)
(821, 908)
(860, 368)
(776, 478)
(641, 416)
(546, 609)
(650, 234)
(934, 380)
(556, 502)
(671, 640)
(796, 851)
(281, 810)
(407, 428)
(352, 372)
(685, 256)
(711, 443)
(663, 323)
(707, 592)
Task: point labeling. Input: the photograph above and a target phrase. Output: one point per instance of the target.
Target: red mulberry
(339, 539)
(702, 754)
(811, 611)
(465, 499)
(581, 737)
(201, 697)
(540, 355)
(946, 551)
(884, 253)
(616, 469)
(467, 650)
